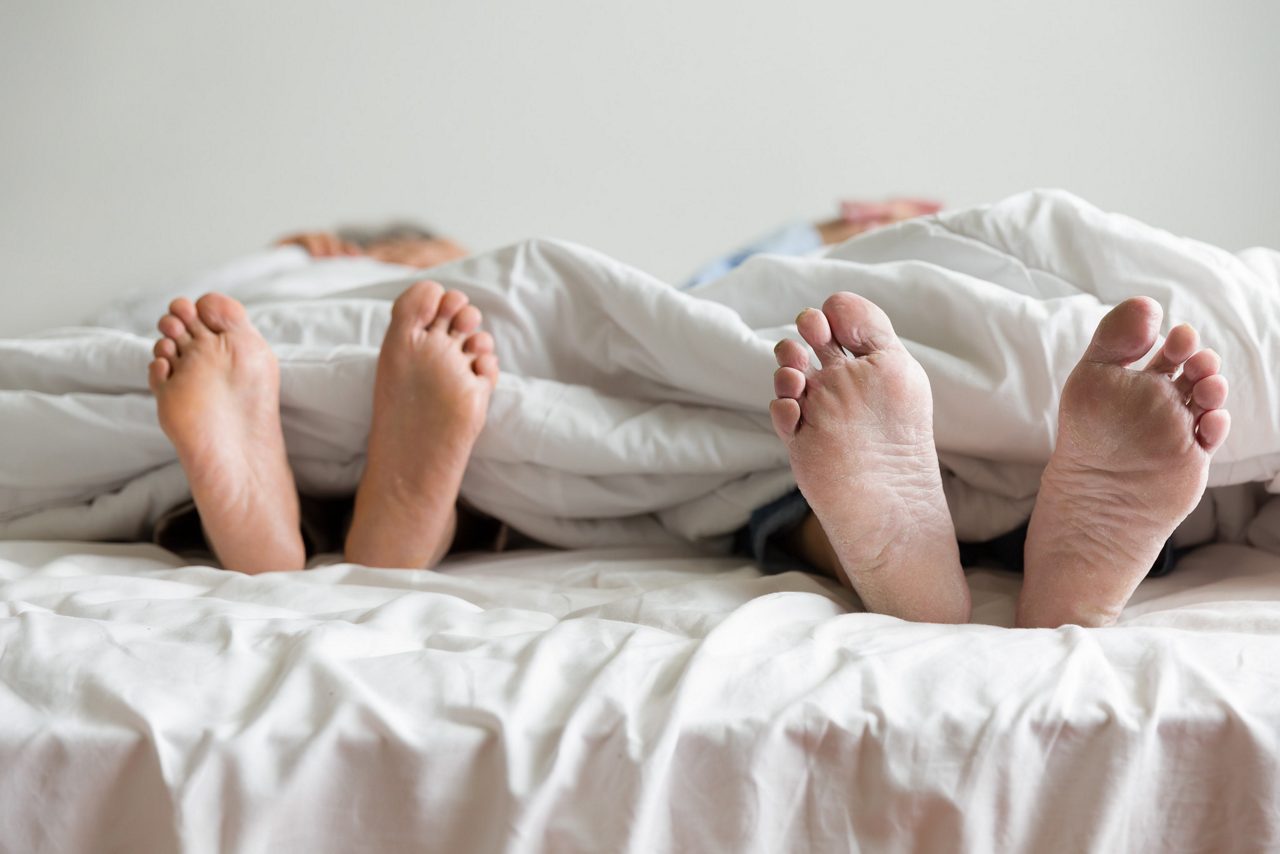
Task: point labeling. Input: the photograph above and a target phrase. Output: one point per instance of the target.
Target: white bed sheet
(620, 700)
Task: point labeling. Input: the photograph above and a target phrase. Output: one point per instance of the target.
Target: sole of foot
(436, 373)
(217, 389)
(860, 435)
(1131, 462)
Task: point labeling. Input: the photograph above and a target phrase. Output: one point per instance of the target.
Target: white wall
(143, 139)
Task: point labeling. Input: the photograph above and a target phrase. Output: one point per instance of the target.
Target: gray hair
(365, 236)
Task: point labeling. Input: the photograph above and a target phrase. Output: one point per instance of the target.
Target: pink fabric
(890, 210)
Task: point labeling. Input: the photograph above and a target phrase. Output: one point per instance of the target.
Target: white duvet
(631, 413)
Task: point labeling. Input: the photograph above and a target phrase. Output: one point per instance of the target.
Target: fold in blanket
(630, 412)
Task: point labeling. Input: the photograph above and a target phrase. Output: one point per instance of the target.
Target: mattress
(620, 700)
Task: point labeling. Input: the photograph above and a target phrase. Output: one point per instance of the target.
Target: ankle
(402, 536)
(288, 554)
(1035, 615)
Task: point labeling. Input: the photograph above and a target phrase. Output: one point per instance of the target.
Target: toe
(858, 324)
(478, 344)
(1210, 393)
(788, 382)
(786, 417)
(486, 365)
(165, 349)
(175, 330)
(1203, 364)
(219, 312)
(465, 321)
(814, 328)
(1213, 428)
(418, 305)
(157, 372)
(1126, 333)
(1177, 348)
(185, 310)
(451, 304)
(791, 354)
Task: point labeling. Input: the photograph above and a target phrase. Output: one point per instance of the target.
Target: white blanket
(641, 701)
(629, 412)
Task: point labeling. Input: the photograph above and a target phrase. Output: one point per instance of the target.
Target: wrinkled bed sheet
(620, 700)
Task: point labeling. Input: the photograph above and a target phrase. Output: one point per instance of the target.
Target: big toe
(418, 305)
(220, 312)
(858, 324)
(1126, 333)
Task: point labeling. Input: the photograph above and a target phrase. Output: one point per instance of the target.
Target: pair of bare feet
(217, 388)
(1131, 462)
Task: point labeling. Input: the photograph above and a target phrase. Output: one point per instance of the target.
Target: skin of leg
(436, 373)
(860, 435)
(217, 390)
(1131, 462)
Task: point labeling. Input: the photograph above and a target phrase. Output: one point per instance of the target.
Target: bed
(639, 688)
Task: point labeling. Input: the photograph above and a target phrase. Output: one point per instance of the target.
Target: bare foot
(217, 389)
(435, 376)
(1131, 462)
(860, 433)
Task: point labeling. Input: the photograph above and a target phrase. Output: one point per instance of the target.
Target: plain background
(144, 140)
